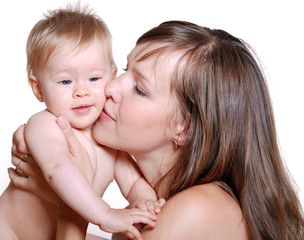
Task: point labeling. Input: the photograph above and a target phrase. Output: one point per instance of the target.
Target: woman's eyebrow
(141, 76)
(137, 72)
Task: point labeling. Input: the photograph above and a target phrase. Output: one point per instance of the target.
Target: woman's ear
(36, 87)
(181, 135)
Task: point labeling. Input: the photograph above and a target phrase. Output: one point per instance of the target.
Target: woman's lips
(82, 109)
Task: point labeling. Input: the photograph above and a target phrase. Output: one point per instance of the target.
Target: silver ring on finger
(25, 157)
(18, 170)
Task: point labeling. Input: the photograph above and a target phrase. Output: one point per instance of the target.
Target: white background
(274, 28)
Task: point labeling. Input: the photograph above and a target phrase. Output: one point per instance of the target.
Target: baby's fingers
(128, 235)
(133, 234)
(145, 217)
(160, 203)
(154, 206)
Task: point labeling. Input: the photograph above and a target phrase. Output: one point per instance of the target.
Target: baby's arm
(134, 186)
(50, 150)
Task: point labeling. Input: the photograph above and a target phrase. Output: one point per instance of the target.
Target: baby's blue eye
(66, 82)
(94, 79)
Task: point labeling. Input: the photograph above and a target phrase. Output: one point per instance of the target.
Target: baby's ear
(114, 71)
(36, 87)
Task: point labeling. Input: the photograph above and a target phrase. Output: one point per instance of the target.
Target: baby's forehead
(70, 47)
(67, 55)
(73, 45)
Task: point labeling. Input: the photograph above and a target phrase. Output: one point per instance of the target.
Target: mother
(193, 108)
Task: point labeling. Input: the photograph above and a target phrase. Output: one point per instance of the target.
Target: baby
(69, 62)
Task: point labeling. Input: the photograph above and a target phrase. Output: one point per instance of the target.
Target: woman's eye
(66, 82)
(125, 69)
(139, 91)
(94, 79)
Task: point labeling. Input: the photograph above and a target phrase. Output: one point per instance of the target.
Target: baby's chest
(104, 168)
(102, 160)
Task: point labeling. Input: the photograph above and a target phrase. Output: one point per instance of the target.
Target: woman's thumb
(63, 123)
(70, 137)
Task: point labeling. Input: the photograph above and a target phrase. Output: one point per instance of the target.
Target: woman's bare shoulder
(200, 212)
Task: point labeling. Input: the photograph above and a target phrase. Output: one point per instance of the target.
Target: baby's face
(73, 81)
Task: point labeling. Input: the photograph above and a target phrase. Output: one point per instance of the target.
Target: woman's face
(135, 116)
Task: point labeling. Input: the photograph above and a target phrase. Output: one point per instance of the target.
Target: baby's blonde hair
(74, 23)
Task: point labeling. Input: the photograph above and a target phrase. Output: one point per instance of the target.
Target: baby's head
(69, 62)
(76, 25)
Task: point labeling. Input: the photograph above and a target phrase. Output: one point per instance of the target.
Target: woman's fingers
(70, 137)
(78, 153)
(19, 148)
(17, 180)
(25, 158)
(24, 170)
(19, 139)
(31, 179)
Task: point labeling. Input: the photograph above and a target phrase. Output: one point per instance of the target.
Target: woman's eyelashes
(139, 91)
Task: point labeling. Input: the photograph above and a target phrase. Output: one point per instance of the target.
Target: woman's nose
(113, 90)
(81, 91)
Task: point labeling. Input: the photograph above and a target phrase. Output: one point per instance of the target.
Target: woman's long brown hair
(223, 96)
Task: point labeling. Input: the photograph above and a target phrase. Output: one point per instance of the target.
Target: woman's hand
(78, 153)
(27, 174)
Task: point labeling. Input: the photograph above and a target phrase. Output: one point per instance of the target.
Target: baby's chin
(82, 125)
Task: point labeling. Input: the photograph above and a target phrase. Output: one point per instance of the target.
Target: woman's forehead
(143, 51)
(158, 53)
(154, 60)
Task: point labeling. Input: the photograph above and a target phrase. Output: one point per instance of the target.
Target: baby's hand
(125, 221)
(151, 206)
